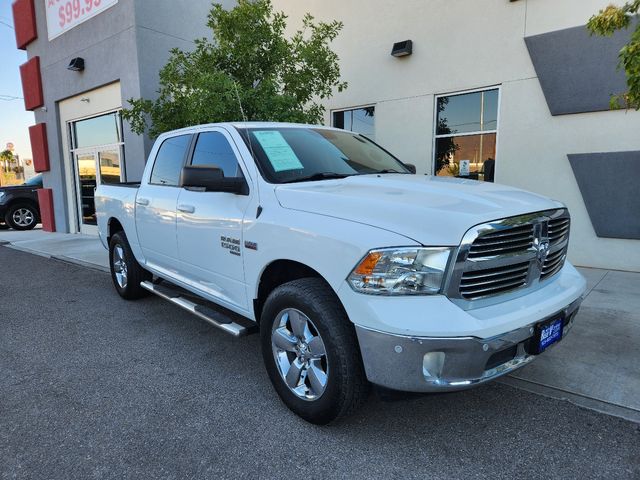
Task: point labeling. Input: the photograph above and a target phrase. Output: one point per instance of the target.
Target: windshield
(286, 155)
(34, 181)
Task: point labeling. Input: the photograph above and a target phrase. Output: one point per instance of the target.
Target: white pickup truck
(353, 269)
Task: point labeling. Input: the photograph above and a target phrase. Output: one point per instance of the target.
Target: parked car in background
(19, 205)
(353, 269)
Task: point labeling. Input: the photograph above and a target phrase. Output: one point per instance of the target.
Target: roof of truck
(246, 125)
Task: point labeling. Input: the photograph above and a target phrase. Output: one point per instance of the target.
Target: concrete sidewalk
(597, 366)
(84, 250)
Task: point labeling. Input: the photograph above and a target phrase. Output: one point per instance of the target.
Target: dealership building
(515, 92)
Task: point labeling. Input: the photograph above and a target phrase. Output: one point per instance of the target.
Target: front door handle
(187, 208)
(142, 201)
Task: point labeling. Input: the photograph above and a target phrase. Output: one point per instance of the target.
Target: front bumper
(423, 364)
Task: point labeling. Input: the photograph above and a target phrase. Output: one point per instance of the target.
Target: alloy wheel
(23, 217)
(120, 266)
(300, 354)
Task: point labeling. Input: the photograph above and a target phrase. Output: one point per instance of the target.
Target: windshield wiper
(388, 170)
(321, 176)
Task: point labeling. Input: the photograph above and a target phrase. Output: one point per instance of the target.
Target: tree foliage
(607, 22)
(249, 69)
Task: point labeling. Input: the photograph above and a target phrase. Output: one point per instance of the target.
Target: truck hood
(430, 210)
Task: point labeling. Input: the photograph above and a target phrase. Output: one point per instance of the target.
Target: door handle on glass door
(187, 208)
(142, 201)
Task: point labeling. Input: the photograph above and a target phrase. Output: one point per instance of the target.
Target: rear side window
(169, 160)
(212, 148)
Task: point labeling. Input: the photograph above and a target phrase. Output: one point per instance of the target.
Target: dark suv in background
(19, 205)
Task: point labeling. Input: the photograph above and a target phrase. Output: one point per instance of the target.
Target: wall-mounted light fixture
(402, 49)
(76, 64)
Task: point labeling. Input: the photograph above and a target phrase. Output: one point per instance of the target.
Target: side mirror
(411, 167)
(211, 178)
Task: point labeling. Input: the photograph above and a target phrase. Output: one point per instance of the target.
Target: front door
(210, 225)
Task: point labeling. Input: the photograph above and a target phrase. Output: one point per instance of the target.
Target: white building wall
(469, 44)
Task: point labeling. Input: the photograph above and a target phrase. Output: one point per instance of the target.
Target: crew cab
(19, 207)
(353, 269)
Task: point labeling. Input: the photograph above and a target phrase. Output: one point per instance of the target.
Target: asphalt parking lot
(92, 386)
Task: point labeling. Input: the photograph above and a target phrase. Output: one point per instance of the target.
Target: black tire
(346, 384)
(22, 216)
(131, 290)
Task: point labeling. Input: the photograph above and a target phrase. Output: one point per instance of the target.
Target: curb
(60, 258)
(577, 399)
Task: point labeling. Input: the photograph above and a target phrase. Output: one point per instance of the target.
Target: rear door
(210, 224)
(156, 205)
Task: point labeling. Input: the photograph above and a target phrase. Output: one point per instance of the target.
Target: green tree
(248, 70)
(7, 158)
(606, 23)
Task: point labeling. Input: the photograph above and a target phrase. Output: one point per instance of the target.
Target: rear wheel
(126, 272)
(21, 217)
(311, 352)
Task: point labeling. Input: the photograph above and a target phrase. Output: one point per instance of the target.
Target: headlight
(401, 271)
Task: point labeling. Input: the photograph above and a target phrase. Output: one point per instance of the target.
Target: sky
(14, 120)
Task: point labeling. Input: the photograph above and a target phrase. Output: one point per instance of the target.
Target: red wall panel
(31, 84)
(45, 199)
(24, 21)
(39, 147)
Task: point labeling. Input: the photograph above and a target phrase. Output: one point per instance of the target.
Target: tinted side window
(212, 148)
(169, 160)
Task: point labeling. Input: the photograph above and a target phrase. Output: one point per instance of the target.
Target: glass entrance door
(93, 167)
(98, 157)
(87, 182)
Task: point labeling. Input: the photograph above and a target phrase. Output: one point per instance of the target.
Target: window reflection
(466, 131)
(86, 167)
(479, 150)
(359, 120)
(110, 167)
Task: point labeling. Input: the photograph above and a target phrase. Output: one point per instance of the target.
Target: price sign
(63, 15)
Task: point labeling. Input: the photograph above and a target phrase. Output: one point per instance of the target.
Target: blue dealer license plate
(550, 333)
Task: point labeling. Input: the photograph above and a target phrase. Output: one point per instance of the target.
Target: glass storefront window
(102, 130)
(359, 120)
(466, 131)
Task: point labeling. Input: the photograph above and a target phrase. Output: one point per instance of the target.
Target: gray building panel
(578, 72)
(609, 186)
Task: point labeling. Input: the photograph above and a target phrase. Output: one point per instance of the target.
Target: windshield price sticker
(63, 15)
(278, 151)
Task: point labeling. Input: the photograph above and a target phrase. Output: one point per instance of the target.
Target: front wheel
(21, 217)
(126, 272)
(311, 352)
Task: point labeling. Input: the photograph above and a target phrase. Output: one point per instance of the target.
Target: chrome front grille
(559, 229)
(502, 242)
(510, 254)
(478, 283)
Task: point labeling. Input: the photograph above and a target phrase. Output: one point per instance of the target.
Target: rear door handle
(142, 201)
(187, 208)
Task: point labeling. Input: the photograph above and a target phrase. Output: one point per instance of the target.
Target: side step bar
(206, 313)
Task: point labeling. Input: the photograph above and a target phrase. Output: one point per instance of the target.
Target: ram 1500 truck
(354, 270)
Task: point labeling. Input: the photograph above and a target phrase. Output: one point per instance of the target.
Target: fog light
(432, 365)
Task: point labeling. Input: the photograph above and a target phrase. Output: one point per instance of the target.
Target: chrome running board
(209, 314)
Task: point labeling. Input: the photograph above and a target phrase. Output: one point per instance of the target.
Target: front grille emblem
(541, 242)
